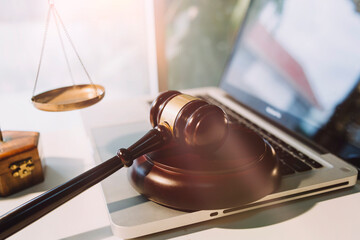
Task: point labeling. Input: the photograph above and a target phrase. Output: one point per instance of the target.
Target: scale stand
(69, 97)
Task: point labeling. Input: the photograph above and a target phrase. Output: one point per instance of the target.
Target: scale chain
(52, 10)
(42, 48)
(73, 46)
(62, 44)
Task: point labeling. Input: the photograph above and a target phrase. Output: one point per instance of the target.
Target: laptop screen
(298, 64)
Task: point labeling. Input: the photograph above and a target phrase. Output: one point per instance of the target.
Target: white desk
(67, 152)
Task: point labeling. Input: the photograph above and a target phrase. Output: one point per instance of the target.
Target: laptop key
(308, 160)
(284, 169)
(296, 164)
(312, 162)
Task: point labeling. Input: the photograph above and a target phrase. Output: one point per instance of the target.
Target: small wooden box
(20, 162)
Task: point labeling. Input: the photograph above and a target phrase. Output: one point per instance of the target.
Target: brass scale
(65, 98)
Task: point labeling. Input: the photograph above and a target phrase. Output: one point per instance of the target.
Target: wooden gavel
(189, 120)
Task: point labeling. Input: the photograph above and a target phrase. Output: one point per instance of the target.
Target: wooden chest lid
(16, 142)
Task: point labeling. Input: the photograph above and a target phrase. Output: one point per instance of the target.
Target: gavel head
(191, 121)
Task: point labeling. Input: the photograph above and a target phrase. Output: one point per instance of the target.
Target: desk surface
(68, 152)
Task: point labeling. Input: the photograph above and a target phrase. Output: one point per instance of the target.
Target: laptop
(291, 78)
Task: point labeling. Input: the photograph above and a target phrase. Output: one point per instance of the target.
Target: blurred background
(109, 35)
(112, 39)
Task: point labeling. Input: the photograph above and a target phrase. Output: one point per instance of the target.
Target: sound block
(244, 169)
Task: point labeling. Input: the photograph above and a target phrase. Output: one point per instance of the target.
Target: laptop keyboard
(291, 160)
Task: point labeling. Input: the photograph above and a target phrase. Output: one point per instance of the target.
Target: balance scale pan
(69, 97)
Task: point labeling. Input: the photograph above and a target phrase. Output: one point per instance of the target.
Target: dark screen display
(297, 62)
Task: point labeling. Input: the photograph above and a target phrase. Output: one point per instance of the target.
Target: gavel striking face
(190, 120)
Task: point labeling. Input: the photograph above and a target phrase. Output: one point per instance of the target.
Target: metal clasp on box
(22, 168)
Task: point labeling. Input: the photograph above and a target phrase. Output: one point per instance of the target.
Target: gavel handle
(34, 209)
